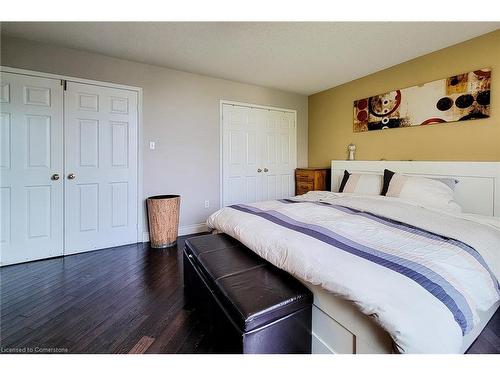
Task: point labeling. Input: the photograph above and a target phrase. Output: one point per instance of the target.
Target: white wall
(180, 113)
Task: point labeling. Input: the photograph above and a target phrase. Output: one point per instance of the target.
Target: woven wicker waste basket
(163, 216)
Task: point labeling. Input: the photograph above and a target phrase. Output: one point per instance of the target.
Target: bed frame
(338, 326)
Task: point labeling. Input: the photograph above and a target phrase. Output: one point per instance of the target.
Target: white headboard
(478, 190)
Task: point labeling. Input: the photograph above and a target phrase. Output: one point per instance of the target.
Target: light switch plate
(151, 145)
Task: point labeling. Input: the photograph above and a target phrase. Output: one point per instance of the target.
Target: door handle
(266, 170)
(71, 176)
(55, 177)
(259, 170)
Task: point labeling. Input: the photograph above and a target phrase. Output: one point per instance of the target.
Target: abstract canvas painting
(461, 97)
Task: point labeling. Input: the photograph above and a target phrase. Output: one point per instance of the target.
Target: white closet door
(240, 155)
(31, 152)
(100, 167)
(258, 154)
(279, 150)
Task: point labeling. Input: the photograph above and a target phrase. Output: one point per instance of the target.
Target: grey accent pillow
(450, 182)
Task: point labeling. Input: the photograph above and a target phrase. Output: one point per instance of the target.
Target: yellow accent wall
(331, 112)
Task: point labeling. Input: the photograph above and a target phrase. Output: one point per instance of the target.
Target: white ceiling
(301, 57)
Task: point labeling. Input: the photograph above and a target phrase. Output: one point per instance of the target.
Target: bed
(376, 317)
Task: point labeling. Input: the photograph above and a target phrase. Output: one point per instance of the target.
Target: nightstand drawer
(305, 179)
(304, 175)
(304, 186)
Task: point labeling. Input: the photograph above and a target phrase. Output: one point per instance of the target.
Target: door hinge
(64, 84)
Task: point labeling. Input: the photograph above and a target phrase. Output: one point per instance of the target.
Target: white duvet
(422, 274)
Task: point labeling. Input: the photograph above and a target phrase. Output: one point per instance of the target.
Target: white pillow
(362, 183)
(425, 191)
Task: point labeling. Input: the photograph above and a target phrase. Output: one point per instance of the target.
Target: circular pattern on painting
(362, 116)
(432, 121)
(483, 97)
(483, 73)
(362, 104)
(464, 101)
(455, 80)
(385, 104)
(444, 104)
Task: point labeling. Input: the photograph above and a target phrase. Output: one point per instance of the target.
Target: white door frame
(140, 205)
(221, 134)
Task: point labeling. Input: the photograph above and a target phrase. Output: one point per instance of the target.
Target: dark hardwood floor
(118, 300)
(127, 299)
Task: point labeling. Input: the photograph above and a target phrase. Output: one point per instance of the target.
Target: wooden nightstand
(308, 179)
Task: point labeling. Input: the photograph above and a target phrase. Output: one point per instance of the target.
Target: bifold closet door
(240, 155)
(100, 167)
(31, 167)
(279, 150)
(258, 154)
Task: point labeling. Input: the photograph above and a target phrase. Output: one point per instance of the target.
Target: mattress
(339, 327)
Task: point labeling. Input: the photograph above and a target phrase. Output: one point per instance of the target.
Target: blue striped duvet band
(410, 229)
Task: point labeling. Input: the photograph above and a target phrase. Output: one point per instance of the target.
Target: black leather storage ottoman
(253, 306)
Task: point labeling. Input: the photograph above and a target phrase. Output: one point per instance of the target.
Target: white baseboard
(183, 231)
(193, 228)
